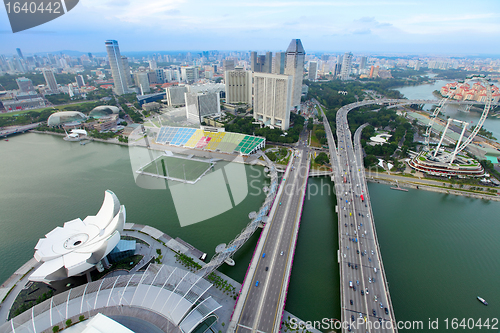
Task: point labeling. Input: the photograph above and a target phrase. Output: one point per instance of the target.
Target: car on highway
(357, 282)
(281, 253)
(257, 284)
(374, 313)
(367, 291)
(386, 311)
(356, 266)
(354, 288)
(362, 292)
(267, 268)
(381, 306)
(370, 279)
(352, 302)
(352, 317)
(367, 215)
(263, 255)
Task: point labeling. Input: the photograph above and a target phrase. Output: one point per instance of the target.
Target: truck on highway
(362, 198)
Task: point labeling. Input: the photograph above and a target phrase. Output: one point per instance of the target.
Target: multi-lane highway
(365, 302)
(263, 305)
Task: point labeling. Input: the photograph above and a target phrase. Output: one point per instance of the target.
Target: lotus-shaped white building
(80, 245)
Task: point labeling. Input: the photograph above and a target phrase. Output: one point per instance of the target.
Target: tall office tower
(202, 104)
(362, 64)
(253, 60)
(19, 53)
(228, 64)
(152, 64)
(160, 75)
(313, 71)
(126, 70)
(90, 55)
(80, 82)
(175, 95)
(272, 97)
(295, 56)
(279, 63)
(346, 66)
(25, 85)
(117, 69)
(152, 77)
(268, 63)
(142, 81)
(239, 86)
(50, 79)
(189, 74)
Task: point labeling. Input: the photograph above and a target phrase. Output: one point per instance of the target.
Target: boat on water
(482, 300)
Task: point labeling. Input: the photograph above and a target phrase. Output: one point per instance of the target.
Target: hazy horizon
(421, 27)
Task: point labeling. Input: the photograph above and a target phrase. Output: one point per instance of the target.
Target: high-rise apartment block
(346, 66)
(142, 81)
(239, 86)
(313, 71)
(50, 79)
(272, 97)
(295, 56)
(189, 74)
(126, 70)
(362, 63)
(202, 104)
(175, 95)
(118, 71)
(80, 82)
(25, 85)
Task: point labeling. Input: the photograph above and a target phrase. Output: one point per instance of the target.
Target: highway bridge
(365, 301)
(261, 303)
(5, 132)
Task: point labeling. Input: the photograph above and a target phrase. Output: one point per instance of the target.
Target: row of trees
(244, 125)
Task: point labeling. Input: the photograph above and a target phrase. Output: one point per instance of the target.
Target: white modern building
(80, 245)
(175, 95)
(295, 57)
(272, 96)
(239, 86)
(189, 74)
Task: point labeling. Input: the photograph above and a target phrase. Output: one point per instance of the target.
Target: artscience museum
(80, 245)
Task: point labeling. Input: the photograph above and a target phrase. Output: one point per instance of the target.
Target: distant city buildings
(80, 82)
(466, 92)
(279, 63)
(272, 99)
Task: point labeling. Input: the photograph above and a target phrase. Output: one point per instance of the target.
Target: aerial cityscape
(266, 167)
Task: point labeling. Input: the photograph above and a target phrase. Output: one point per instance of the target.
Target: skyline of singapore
(387, 27)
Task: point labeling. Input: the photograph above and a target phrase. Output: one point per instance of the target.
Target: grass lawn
(9, 114)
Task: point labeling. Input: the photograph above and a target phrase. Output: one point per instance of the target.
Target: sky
(424, 27)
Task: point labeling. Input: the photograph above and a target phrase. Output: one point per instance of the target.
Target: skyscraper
(362, 64)
(50, 79)
(346, 66)
(272, 96)
(117, 70)
(19, 53)
(80, 82)
(253, 60)
(313, 71)
(279, 63)
(295, 56)
(142, 81)
(239, 86)
(228, 64)
(268, 63)
(126, 70)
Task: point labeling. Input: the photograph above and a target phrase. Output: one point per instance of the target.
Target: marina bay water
(439, 251)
